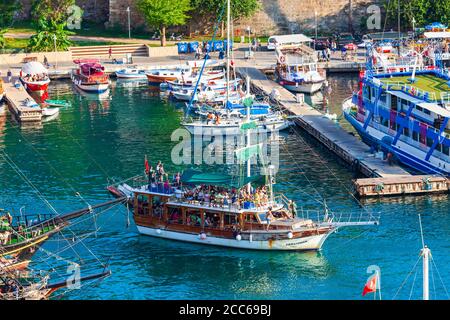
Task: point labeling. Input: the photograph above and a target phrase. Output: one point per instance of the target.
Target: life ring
(282, 59)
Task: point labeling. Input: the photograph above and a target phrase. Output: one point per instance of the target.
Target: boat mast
(425, 253)
(228, 48)
(248, 133)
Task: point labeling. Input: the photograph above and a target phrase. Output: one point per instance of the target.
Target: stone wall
(275, 16)
(94, 10)
(298, 16)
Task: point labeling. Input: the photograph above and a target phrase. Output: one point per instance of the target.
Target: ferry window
(429, 142)
(426, 111)
(175, 216)
(394, 102)
(419, 108)
(446, 150)
(439, 147)
(383, 97)
(212, 220)
(229, 220)
(385, 122)
(415, 136)
(250, 218)
(406, 132)
(193, 218)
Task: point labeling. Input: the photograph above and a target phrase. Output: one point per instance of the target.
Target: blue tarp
(435, 25)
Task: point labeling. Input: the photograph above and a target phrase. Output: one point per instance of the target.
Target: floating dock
(345, 145)
(401, 185)
(16, 99)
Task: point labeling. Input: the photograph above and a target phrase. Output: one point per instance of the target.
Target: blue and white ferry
(404, 109)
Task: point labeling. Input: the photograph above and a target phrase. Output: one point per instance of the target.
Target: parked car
(344, 39)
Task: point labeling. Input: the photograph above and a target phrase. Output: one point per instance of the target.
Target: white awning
(435, 108)
(291, 38)
(437, 35)
(34, 67)
(405, 96)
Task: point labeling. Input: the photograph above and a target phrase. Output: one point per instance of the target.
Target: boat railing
(327, 217)
(411, 90)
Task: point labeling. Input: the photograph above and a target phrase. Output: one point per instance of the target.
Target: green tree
(164, 13)
(210, 9)
(48, 34)
(239, 8)
(423, 12)
(8, 11)
(54, 10)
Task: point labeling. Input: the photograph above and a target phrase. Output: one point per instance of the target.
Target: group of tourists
(36, 77)
(214, 196)
(158, 178)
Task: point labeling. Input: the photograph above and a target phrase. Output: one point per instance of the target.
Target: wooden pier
(345, 145)
(16, 99)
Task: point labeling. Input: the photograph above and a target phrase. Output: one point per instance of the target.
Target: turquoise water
(70, 159)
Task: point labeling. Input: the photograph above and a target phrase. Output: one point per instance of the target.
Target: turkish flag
(147, 167)
(371, 285)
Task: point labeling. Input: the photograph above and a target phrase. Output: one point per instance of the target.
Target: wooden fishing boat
(158, 76)
(21, 236)
(18, 287)
(90, 76)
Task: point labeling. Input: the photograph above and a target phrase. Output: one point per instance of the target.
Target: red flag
(147, 167)
(371, 285)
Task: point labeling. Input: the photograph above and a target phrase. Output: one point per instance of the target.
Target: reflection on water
(101, 138)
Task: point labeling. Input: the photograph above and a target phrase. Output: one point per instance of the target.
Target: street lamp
(249, 41)
(56, 49)
(315, 19)
(129, 25)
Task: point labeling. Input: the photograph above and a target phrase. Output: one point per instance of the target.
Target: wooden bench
(29, 59)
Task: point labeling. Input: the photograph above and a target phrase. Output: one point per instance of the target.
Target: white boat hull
(48, 112)
(306, 87)
(231, 129)
(299, 244)
(97, 88)
(131, 75)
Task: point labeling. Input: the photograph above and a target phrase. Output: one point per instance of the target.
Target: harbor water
(71, 160)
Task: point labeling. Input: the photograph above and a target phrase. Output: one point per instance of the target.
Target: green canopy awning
(197, 177)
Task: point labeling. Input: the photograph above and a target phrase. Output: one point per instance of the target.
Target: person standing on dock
(9, 75)
(198, 53)
(110, 52)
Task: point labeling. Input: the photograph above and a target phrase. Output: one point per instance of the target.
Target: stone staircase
(136, 50)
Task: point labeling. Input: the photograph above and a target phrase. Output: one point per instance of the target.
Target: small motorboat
(131, 73)
(58, 103)
(49, 112)
(34, 77)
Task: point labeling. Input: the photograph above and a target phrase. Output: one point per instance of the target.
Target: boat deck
(348, 147)
(16, 99)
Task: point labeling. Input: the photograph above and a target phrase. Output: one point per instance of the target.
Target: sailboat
(21, 236)
(229, 211)
(231, 125)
